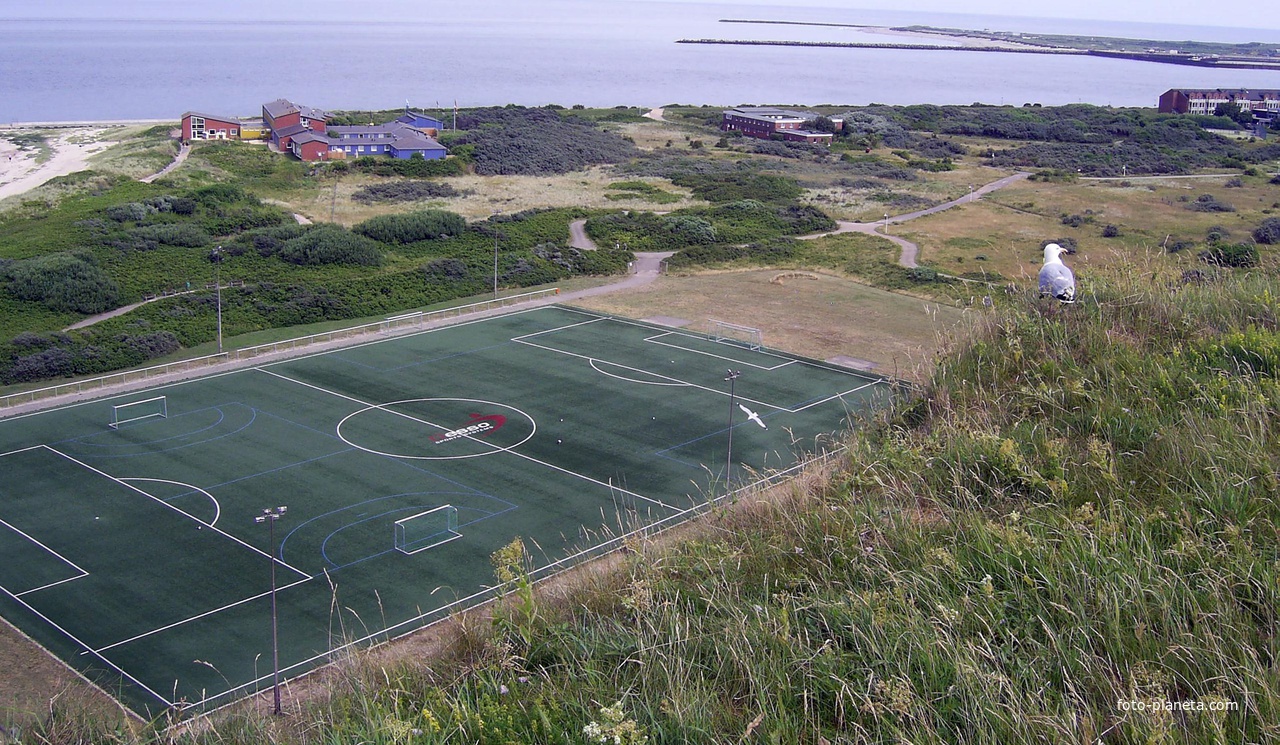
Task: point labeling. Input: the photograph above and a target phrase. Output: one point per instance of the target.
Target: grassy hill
(1076, 517)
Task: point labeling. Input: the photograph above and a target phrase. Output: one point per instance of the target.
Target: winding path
(910, 250)
(183, 151)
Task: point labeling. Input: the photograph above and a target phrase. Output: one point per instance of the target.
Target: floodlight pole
(732, 377)
(216, 258)
(269, 516)
(495, 256)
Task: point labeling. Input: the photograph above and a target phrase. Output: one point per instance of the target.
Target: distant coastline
(1250, 56)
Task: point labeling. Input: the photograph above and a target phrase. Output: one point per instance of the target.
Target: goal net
(427, 529)
(139, 410)
(732, 333)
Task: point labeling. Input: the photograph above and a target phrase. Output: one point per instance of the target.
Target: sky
(1261, 14)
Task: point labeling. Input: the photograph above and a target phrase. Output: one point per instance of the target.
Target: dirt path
(183, 152)
(578, 236)
(910, 251)
(654, 114)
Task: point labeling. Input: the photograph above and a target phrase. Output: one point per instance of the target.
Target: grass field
(132, 554)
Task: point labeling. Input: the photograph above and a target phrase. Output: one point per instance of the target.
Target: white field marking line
(196, 617)
(61, 558)
(628, 380)
(654, 340)
(241, 370)
(217, 508)
(385, 340)
(23, 450)
(558, 328)
(675, 381)
(222, 532)
(653, 327)
(837, 395)
(550, 570)
(88, 649)
(473, 439)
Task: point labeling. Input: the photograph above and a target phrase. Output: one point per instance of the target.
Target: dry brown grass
(31, 681)
(818, 318)
(484, 195)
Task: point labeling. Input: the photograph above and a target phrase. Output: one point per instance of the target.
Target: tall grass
(1077, 513)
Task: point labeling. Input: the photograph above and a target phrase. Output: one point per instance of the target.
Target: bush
(516, 140)
(723, 187)
(63, 282)
(330, 244)
(1238, 255)
(1073, 221)
(1275, 179)
(184, 235)
(412, 227)
(1234, 183)
(1217, 234)
(404, 191)
(1111, 231)
(1209, 203)
(1268, 232)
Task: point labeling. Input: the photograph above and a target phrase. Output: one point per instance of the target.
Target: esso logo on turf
(478, 426)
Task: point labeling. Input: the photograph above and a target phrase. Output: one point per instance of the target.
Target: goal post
(138, 410)
(733, 333)
(427, 529)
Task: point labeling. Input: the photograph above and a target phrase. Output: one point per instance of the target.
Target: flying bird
(753, 416)
(1056, 278)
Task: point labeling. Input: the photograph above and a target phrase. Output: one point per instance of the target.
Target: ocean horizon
(563, 52)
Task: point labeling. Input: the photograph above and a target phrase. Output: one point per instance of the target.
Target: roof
(282, 106)
(770, 114)
(292, 130)
(396, 134)
(309, 136)
(215, 117)
(279, 107)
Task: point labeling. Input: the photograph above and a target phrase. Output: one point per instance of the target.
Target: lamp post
(886, 223)
(269, 516)
(495, 256)
(216, 258)
(732, 377)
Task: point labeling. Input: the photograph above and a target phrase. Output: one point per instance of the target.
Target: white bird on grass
(753, 416)
(1056, 278)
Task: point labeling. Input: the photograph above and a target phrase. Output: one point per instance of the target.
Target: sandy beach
(70, 145)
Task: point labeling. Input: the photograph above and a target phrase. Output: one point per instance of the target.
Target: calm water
(561, 51)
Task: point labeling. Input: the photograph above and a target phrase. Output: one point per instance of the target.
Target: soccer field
(129, 549)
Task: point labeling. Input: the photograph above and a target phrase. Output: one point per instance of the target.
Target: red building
(196, 126)
(767, 122)
(1263, 103)
(309, 146)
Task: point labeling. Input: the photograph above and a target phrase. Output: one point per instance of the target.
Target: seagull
(753, 416)
(1056, 278)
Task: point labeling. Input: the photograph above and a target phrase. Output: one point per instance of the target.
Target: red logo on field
(477, 426)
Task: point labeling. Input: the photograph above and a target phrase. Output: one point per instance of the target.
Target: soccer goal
(732, 333)
(139, 410)
(427, 529)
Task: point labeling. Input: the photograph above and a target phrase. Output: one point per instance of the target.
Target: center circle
(438, 428)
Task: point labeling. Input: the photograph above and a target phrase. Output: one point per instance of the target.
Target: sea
(376, 55)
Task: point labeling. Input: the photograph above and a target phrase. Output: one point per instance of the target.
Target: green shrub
(330, 244)
(63, 282)
(1209, 203)
(412, 227)
(1268, 232)
(730, 187)
(404, 191)
(186, 235)
(1239, 255)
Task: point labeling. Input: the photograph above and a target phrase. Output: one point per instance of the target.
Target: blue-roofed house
(395, 139)
(428, 125)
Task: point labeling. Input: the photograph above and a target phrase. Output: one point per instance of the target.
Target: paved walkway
(907, 258)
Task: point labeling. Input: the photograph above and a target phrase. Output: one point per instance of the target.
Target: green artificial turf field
(132, 552)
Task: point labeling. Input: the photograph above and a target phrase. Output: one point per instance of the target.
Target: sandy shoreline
(70, 146)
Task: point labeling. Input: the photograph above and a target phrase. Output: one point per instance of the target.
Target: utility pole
(732, 377)
(216, 258)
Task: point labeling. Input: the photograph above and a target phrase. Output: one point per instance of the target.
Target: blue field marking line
(83, 440)
(515, 453)
(79, 441)
(186, 514)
